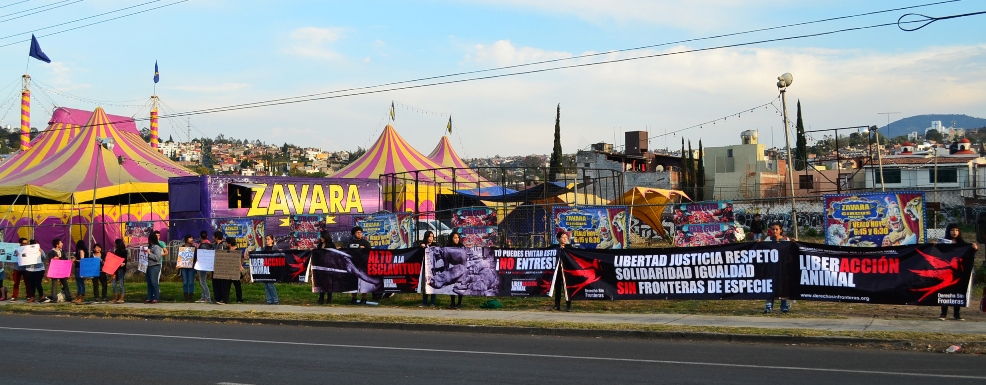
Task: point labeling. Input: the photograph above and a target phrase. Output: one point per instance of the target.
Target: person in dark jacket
(119, 277)
(427, 241)
(756, 227)
(270, 291)
(358, 242)
(954, 234)
(57, 253)
(455, 240)
(562, 237)
(324, 242)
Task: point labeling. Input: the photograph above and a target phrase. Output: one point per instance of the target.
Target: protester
(220, 287)
(80, 283)
(18, 275)
(204, 244)
(270, 291)
(324, 242)
(425, 243)
(236, 283)
(3, 277)
(56, 253)
(188, 274)
(358, 242)
(455, 240)
(35, 274)
(953, 234)
(562, 237)
(119, 277)
(776, 234)
(97, 252)
(155, 254)
(756, 227)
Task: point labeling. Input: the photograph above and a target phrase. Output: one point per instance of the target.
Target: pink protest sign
(112, 263)
(60, 268)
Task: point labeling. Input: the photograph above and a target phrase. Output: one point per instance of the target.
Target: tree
(801, 148)
(352, 155)
(201, 170)
(556, 156)
(682, 174)
(935, 136)
(700, 174)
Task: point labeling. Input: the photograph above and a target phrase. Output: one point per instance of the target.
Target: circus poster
(875, 219)
(703, 212)
(593, 227)
(386, 231)
(474, 217)
(137, 232)
(249, 233)
(707, 234)
(704, 224)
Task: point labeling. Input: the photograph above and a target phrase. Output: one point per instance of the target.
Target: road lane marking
(614, 359)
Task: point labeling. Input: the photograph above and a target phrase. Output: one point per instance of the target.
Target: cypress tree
(700, 174)
(801, 147)
(691, 171)
(556, 155)
(682, 180)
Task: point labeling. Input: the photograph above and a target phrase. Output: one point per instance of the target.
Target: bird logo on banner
(449, 125)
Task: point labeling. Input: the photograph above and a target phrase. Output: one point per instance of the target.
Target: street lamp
(879, 158)
(783, 82)
(101, 143)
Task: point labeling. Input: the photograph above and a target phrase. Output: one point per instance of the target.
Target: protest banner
(29, 255)
(59, 268)
(395, 271)
(524, 272)
(474, 217)
(875, 219)
(142, 254)
(227, 265)
(924, 275)
(460, 270)
(733, 271)
(112, 263)
(708, 234)
(296, 265)
(8, 252)
(593, 227)
(386, 231)
(334, 271)
(186, 258)
(267, 266)
(89, 267)
(205, 260)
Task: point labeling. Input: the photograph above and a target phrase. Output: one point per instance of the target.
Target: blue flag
(157, 75)
(36, 51)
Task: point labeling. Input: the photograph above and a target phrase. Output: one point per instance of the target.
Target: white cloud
(315, 42)
(504, 53)
(61, 76)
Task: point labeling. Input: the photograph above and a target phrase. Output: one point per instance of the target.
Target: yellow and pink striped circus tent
(48, 191)
(466, 177)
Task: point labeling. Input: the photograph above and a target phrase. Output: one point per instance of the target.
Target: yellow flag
(391, 110)
(449, 125)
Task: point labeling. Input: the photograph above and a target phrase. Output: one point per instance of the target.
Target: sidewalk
(773, 322)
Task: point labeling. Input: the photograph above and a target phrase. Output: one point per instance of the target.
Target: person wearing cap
(562, 237)
(358, 242)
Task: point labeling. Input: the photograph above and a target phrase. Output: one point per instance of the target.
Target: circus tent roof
(389, 154)
(68, 175)
(64, 124)
(446, 156)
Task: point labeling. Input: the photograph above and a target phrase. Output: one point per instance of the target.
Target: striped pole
(26, 114)
(154, 137)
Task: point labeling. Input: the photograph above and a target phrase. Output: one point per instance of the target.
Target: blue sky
(218, 52)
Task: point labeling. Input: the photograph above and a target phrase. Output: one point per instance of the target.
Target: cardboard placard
(206, 260)
(29, 255)
(186, 258)
(142, 256)
(89, 267)
(60, 268)
(112, 263)
(227, 266)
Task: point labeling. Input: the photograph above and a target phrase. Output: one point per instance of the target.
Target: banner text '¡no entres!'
(288, 199)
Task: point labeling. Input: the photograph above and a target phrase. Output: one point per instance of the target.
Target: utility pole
(783, 82)
(890, 135)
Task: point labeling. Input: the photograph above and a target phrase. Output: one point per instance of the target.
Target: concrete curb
(518, 330)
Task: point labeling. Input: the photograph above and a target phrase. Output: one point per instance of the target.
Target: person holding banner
(270, 291)
(187, 274)
(358, 242)
(455, 240)
(56, 253)
(324, 242)
(97, 252)
(155, 255)
(776, 234)
(562, 237)
(203, 275)
(20, 274)
(120, 275)
(954, 234)
(427, 241)
(80, 283)
(35, 274)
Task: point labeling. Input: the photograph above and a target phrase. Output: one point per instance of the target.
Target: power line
(13, 4)
(97, 22)
(77, 20)
(41, 6)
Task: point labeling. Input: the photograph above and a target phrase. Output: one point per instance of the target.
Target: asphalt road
(65, 350)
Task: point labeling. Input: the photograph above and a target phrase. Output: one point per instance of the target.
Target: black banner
(733, 271)
(268, 267)
(524, 272)
(334, 271)
(397, 271)
(296, 265)
(925, 275)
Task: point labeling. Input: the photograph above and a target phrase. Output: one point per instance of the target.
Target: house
(743, 170)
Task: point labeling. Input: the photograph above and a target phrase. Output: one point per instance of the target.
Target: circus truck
(292, 210)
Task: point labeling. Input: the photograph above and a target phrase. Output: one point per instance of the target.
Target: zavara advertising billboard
(386, 231)
(593, 227)
(926, 275)
(733, 271)
(486, 271)
(875, 219)
(294, 209)
(366, 271)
